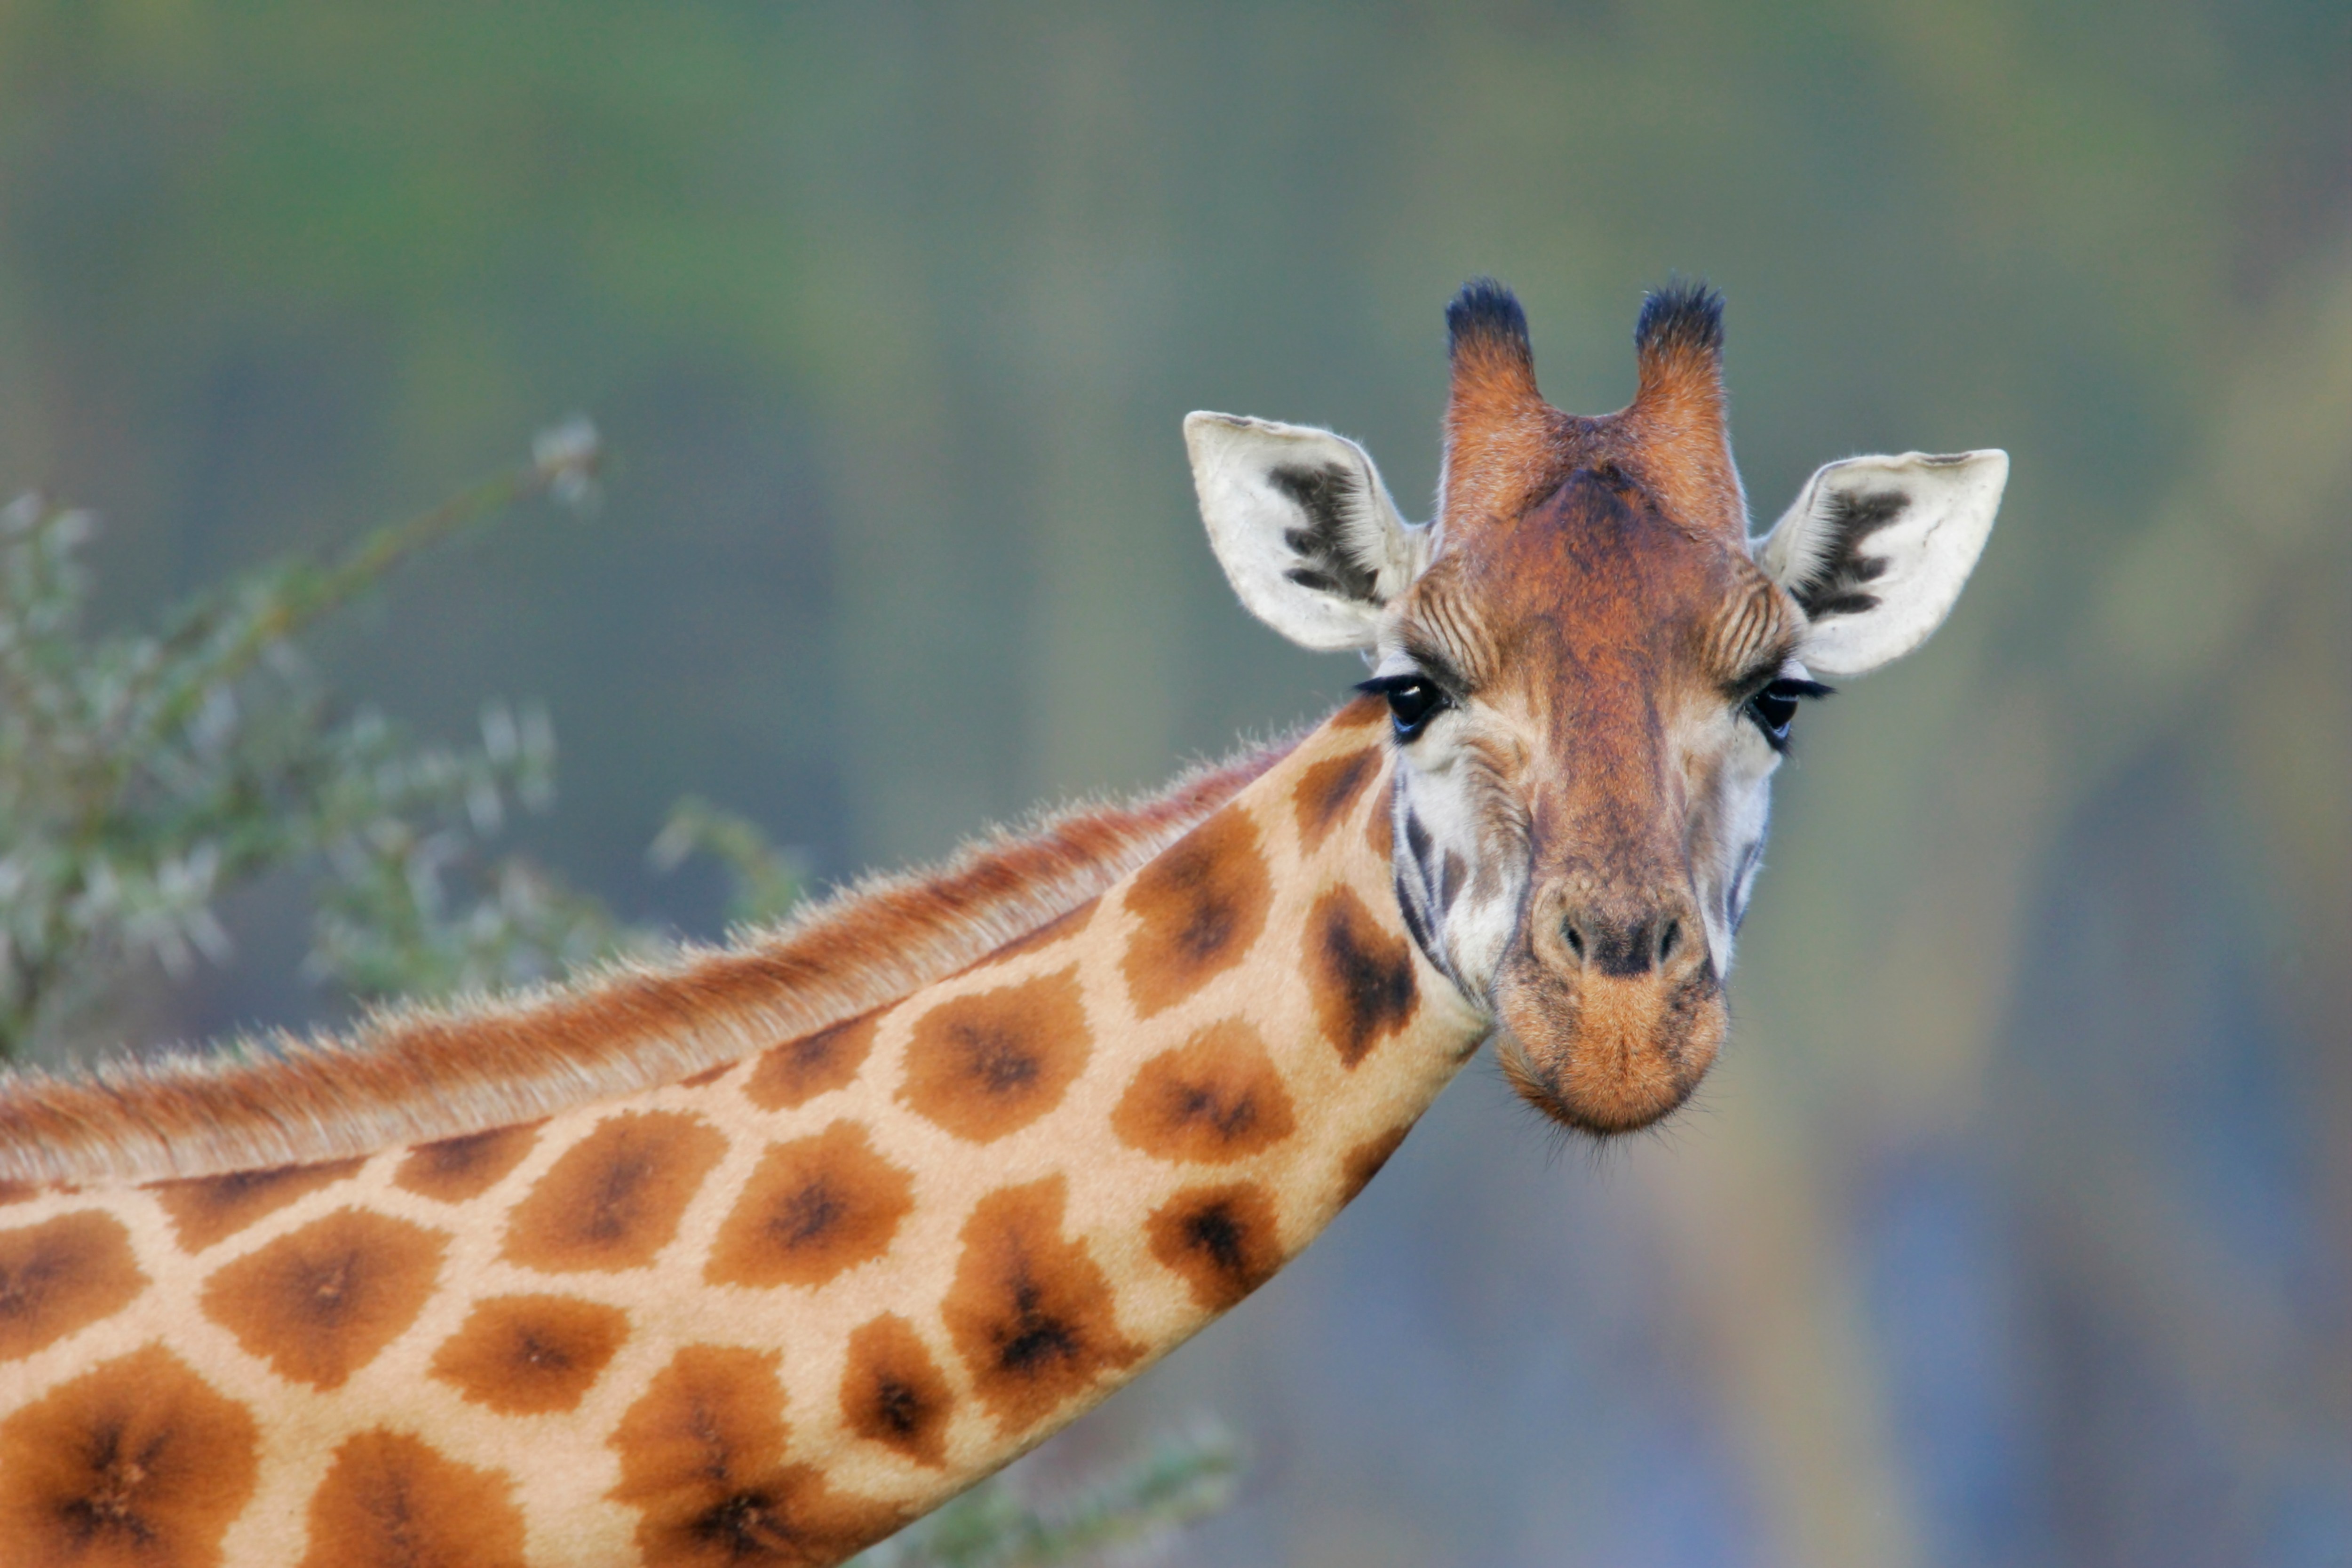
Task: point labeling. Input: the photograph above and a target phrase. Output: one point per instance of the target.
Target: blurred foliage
(1179, 1480)
(766, 880)
(143, 775)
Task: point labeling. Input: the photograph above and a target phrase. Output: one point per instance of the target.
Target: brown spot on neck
(702, 1464)
(62, 1276)
(319, 1303)
(137, 1461)
(1224, 1241)
(791, 1075)
(1328, 790)
(390, 1500)
(454, 1169)
(812, 1210)
(614, 1200)
(1030, 1312)
(894, 1394)
(528, 1355)
(1360, 975)
(1215, 1099)
(1199, 908)
(988, 1064)
(206, 1209)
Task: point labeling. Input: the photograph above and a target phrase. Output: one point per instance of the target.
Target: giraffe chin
(1605, 1055)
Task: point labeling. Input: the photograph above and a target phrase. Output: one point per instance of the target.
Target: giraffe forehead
(1594, 591)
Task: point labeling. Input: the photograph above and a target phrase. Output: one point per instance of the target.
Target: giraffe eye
(1773, 708)
(1414, 700)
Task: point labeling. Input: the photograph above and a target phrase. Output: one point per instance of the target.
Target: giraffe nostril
(1623, 942)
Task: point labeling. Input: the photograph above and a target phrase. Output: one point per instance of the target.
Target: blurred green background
(2016, 1227)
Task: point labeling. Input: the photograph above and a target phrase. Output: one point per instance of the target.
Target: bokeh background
(2016, 1227)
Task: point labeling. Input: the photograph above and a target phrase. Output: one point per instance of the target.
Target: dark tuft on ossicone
(1486, 315)
(1685, 315)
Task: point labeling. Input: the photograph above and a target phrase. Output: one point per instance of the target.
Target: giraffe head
(1592, 671)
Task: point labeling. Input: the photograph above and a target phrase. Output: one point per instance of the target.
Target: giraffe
(757, 1254)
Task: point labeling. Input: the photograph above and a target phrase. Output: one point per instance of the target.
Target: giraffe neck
(770, 1311)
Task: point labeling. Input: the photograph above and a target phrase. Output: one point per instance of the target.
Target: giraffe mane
(413, 1073)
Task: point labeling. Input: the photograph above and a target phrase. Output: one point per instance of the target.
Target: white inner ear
(1877, 549)
(1303, 526)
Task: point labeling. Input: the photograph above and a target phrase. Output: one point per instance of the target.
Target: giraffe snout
(1612, 1008)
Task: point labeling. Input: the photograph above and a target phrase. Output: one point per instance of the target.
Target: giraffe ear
(1876, 551)
(1303, 526)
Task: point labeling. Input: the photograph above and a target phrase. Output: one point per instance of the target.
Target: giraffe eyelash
(1773, 707)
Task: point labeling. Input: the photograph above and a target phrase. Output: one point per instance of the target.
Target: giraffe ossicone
(757, 1255)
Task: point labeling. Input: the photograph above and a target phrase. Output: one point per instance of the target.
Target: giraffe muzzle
(1612, 1009)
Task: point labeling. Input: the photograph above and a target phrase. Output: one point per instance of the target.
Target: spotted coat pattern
(768, 1313)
